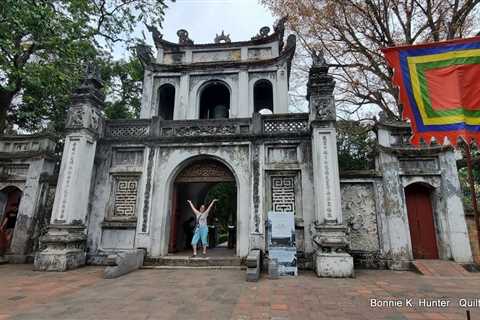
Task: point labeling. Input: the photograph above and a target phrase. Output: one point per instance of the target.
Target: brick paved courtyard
(223, 294)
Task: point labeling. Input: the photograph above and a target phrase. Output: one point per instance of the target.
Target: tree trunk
(6, 98)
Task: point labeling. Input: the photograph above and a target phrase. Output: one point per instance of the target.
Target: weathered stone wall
(359, 209)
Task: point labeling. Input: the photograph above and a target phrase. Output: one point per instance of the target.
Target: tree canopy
(351, 32)
(44, 45)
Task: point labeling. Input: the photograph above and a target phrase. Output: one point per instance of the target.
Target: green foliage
(464, 181)
(226, 208)
(125, 89)
(45, 44)
(355, 145)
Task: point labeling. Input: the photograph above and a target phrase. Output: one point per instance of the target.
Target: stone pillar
(281, 91)
(330, 236)
(184, 111)
(148, 109)
(244, 109)
(66, 238)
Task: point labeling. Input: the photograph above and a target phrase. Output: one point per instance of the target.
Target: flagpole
(472, 189)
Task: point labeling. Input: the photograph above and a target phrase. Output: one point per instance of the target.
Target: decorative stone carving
(201, 131)
(157, 36)
(320, 88)
(125, 196)
(358, 208)
(64, 248)
(318, 58)
(263, 33)
(75, 118)
(205, 171)
(128, 131)
(183, 38)
(285, 125)
(330, 237)
(222, 38)
(144, 53)
(283, 193)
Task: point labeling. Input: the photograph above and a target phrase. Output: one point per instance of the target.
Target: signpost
(281, 242)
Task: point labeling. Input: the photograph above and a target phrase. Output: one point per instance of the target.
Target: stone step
(184, 261)
(440, 268)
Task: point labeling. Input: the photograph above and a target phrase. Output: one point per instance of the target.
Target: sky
(203, 19)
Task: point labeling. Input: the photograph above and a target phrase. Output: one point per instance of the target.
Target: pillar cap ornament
(89, 91)
(320, 88)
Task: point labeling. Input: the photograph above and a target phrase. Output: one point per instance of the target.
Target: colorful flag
(439, 88)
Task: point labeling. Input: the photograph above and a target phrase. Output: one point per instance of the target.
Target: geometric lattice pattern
(283, 193)
(129, 131)
(125, 195)
(285, 125)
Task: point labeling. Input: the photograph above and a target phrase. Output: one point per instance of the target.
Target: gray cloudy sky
(203, 19)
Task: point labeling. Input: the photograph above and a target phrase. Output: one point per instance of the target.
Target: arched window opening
(215, 101)
(263, 96)
(166, 102)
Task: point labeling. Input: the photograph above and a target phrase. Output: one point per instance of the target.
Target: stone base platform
(334, 265)
(185, 261)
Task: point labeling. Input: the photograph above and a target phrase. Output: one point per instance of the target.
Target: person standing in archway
(201, 227)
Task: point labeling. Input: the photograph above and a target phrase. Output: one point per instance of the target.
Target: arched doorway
(215, 101)
(421, 221)
(202, 181)
(10, 198)
(166, 103)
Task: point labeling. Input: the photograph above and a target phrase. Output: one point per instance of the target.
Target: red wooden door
(420, 220)
(173, 226)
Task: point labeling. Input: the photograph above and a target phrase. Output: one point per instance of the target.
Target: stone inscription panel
(129, 157)
(283, 154)
(426, 164)
(283, 193)
(359, 213)
(126, 188)
(259, 53)
(223, 55)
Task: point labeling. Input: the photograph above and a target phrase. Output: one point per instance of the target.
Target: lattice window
(129, 131)
(126, 188)
(279, 126)
(283, 193)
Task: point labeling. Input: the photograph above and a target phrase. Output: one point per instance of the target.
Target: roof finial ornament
(183, 38)
(156, 34)
(222, 38)
(263, 33)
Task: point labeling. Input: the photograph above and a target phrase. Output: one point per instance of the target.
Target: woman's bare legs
(204, 249)
(194, 250)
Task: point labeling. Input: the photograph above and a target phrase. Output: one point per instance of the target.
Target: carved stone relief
(205, 171)
(358, 207)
